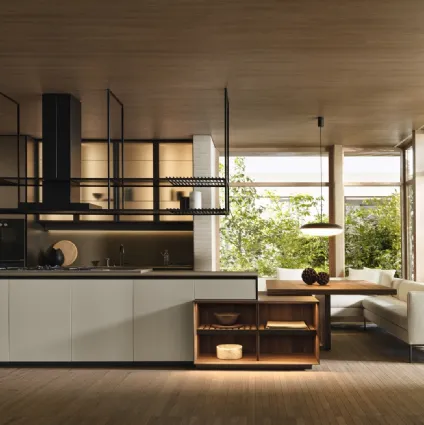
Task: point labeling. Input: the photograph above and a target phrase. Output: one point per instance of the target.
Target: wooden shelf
(263, 298)
(210, 330)
(211, 359)
(289, 332)
(297, 348)
(300, 359)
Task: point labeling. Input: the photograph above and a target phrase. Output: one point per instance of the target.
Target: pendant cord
(320, 156)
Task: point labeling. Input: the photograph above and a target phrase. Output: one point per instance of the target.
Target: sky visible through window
(306, 169)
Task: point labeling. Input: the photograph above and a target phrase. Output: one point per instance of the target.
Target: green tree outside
(262, 236)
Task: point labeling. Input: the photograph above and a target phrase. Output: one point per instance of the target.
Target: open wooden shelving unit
(286, 348)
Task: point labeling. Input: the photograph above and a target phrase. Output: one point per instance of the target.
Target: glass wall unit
(151, 161)
(94, 164)
(175, 160)
(271, 197)
(373, 211)
(138, 163)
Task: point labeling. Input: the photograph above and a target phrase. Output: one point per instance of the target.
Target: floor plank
(366, 379)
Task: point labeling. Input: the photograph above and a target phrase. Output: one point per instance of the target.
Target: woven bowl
(229, 351)
(227, 319)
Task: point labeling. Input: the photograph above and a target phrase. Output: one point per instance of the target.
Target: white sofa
(401, 315)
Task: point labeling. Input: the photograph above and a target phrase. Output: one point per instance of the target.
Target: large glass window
(409, 210)
(271, 198)
(373, 212)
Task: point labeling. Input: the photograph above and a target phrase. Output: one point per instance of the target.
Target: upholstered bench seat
(389, 308)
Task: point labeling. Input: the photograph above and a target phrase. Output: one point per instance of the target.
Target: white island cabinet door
(4, 320)
(102, 320)
(225, 289)
(40, 320)
(163, 320)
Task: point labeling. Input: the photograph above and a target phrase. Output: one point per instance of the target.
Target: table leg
(325, 321)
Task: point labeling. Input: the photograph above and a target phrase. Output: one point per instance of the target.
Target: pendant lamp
(321, 229)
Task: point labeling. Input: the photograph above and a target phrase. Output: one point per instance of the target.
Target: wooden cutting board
(70, 251)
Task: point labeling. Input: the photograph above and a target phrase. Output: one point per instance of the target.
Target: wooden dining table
(323, 293)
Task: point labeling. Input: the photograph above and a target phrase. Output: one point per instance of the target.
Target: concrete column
(205, 227)
(337, 210)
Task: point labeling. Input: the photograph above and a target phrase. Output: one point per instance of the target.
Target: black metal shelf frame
(18, 165)
(117, 181)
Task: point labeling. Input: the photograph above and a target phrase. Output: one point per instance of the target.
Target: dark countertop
(118, 274)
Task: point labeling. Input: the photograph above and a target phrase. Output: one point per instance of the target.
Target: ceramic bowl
(227, 319)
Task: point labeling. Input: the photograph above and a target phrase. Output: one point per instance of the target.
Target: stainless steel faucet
(121, 255)
(166, 257)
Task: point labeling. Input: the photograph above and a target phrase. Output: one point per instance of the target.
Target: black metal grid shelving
(197, 181)
(115, 182)
(197, 211)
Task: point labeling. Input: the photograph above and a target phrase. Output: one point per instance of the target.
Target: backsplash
(141, 248)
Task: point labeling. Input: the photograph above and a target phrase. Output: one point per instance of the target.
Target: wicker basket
(229, 351)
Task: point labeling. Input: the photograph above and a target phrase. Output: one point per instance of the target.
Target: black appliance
(12, 242)
(61, 155)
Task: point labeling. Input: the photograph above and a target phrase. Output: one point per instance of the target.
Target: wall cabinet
(40, 320)
(102, 320)
(4, 320)
(163, 320)
(230, 289)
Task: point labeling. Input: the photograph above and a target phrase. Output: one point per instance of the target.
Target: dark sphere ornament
(309, 276)
(323, 278)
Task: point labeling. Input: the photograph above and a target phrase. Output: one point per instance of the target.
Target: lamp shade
(321, 229)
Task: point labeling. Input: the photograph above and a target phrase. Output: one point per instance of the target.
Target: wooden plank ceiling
(359, 63)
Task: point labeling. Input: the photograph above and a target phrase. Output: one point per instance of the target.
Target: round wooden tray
(70, 251)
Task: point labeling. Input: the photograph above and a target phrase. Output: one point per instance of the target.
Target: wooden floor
(365, 380)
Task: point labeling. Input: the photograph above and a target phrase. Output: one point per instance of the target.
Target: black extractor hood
(61, 155)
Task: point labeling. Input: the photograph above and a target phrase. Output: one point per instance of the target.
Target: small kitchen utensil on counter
(227, 319)
(229, 351)
(70, 251)
(95, 263)
(166, 257)
(54, 257)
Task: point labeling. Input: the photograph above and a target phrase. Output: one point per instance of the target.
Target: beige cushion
(289, 274)
(395, 284)
(389, 308)
(356, 274)
(352, 301)
(372, 275)
(382, 277)
(406, 286)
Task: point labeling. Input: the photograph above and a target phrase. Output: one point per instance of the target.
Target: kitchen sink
(116, 269)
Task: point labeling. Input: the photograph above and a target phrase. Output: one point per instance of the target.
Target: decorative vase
(309, 276)
(323, 278)
(195, 200)
(128, 194)
(54, 257)
(184, 203)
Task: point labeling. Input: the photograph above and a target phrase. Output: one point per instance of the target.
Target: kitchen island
(108, 315)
